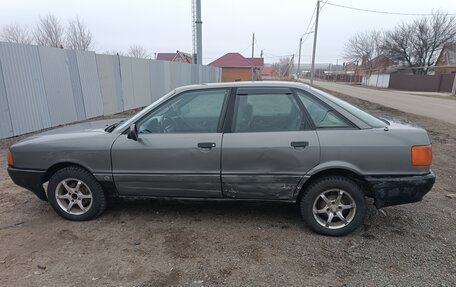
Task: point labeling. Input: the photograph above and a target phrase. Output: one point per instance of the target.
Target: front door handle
(206, 145)
(299, 145)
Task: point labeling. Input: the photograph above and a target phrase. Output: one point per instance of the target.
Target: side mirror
(133, 133)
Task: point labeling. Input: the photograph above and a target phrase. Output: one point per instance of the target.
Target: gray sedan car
(275, 141)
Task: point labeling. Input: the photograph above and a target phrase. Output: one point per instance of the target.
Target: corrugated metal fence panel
(141, 81)
(24, 87)
(57, 84)
(76, 85)
(109, 77)
(187, 74)
(167, 76)
(127, 83)
(205, 73)
(200, 74)
(90, 84)
(6, 128)
(42, 87)
(157, 79)
(173, 73)
(194, 74)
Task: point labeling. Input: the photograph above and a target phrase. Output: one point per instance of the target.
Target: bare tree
(283, 67)
(114, 52)
(138, 51)
(364, 47)
(49, 32)
(78, 36)
(417, 44)
(16, 34)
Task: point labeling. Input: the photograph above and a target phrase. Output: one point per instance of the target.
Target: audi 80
(266, 141)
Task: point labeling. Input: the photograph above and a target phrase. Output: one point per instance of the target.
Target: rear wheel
(333, 206)
(75, 194)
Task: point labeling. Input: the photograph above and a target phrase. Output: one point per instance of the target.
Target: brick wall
(236, 74)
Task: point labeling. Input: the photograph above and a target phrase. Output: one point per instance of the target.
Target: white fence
(376, 80)
(42, 87)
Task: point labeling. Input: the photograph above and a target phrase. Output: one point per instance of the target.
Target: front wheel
(333, 206)
(75, 194)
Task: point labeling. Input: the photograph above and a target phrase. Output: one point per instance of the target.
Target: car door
(178, 148)
(269, 145)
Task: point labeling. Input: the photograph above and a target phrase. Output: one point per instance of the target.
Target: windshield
(360, 114)
(143, 111)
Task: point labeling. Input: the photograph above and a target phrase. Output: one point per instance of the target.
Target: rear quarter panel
(372, 151)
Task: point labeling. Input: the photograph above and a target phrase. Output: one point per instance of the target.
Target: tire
(329, 199)
(75, 194)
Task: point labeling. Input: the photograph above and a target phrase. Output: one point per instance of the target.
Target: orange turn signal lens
(10, 158)
(422, 155)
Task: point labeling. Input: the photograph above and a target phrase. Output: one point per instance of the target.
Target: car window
(267, 113)
(322, 115)
(190, 112)
(360, 114)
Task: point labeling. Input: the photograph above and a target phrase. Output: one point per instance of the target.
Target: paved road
(437, 108)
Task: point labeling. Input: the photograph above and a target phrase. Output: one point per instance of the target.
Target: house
(377, 65)
(267, 73)
(236, 67)
(446, 62)
(175, 57)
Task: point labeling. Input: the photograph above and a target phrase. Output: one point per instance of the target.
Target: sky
(166, 25)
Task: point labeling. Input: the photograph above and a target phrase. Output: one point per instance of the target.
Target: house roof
(172, 57)
(166, 56)
(257, 62)
(236, 60)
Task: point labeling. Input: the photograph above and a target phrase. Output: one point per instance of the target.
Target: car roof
(244, 84)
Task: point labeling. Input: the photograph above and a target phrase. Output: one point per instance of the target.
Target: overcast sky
(165, 25)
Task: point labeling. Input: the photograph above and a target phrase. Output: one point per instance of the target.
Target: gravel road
(172, 243)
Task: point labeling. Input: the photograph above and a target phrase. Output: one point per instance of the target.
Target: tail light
(422, 155)
(10, 158)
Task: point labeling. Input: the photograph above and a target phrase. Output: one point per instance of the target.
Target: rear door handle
(299, 145)
(206, 145)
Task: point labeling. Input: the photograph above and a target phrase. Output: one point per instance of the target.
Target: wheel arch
(61, 165)
(336, 171)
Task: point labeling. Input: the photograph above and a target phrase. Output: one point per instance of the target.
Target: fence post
(453, 90)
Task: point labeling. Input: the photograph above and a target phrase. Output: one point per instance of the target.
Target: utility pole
(253, 44)
(199, 34)
(253, 53)
(312, 70)
(299, 58)
(287, 70)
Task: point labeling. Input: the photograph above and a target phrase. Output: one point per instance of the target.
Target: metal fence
(422, 83)
(42, 87)
(376, 80)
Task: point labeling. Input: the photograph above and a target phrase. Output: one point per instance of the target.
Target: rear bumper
(29, 179)
(395, 190)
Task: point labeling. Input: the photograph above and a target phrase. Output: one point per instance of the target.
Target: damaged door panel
(266, 165)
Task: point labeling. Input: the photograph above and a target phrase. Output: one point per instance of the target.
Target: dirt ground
(171, 243)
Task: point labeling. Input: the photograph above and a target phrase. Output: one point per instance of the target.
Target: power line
(309, 31)
(310, 21)
(382, 12)
(272, 56)
(245, 49)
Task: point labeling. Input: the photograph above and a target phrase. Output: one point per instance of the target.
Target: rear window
(360, 114)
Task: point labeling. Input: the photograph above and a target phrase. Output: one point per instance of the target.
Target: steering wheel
(167, 124)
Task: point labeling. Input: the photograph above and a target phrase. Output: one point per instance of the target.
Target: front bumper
(395, 190)
(29, 179)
